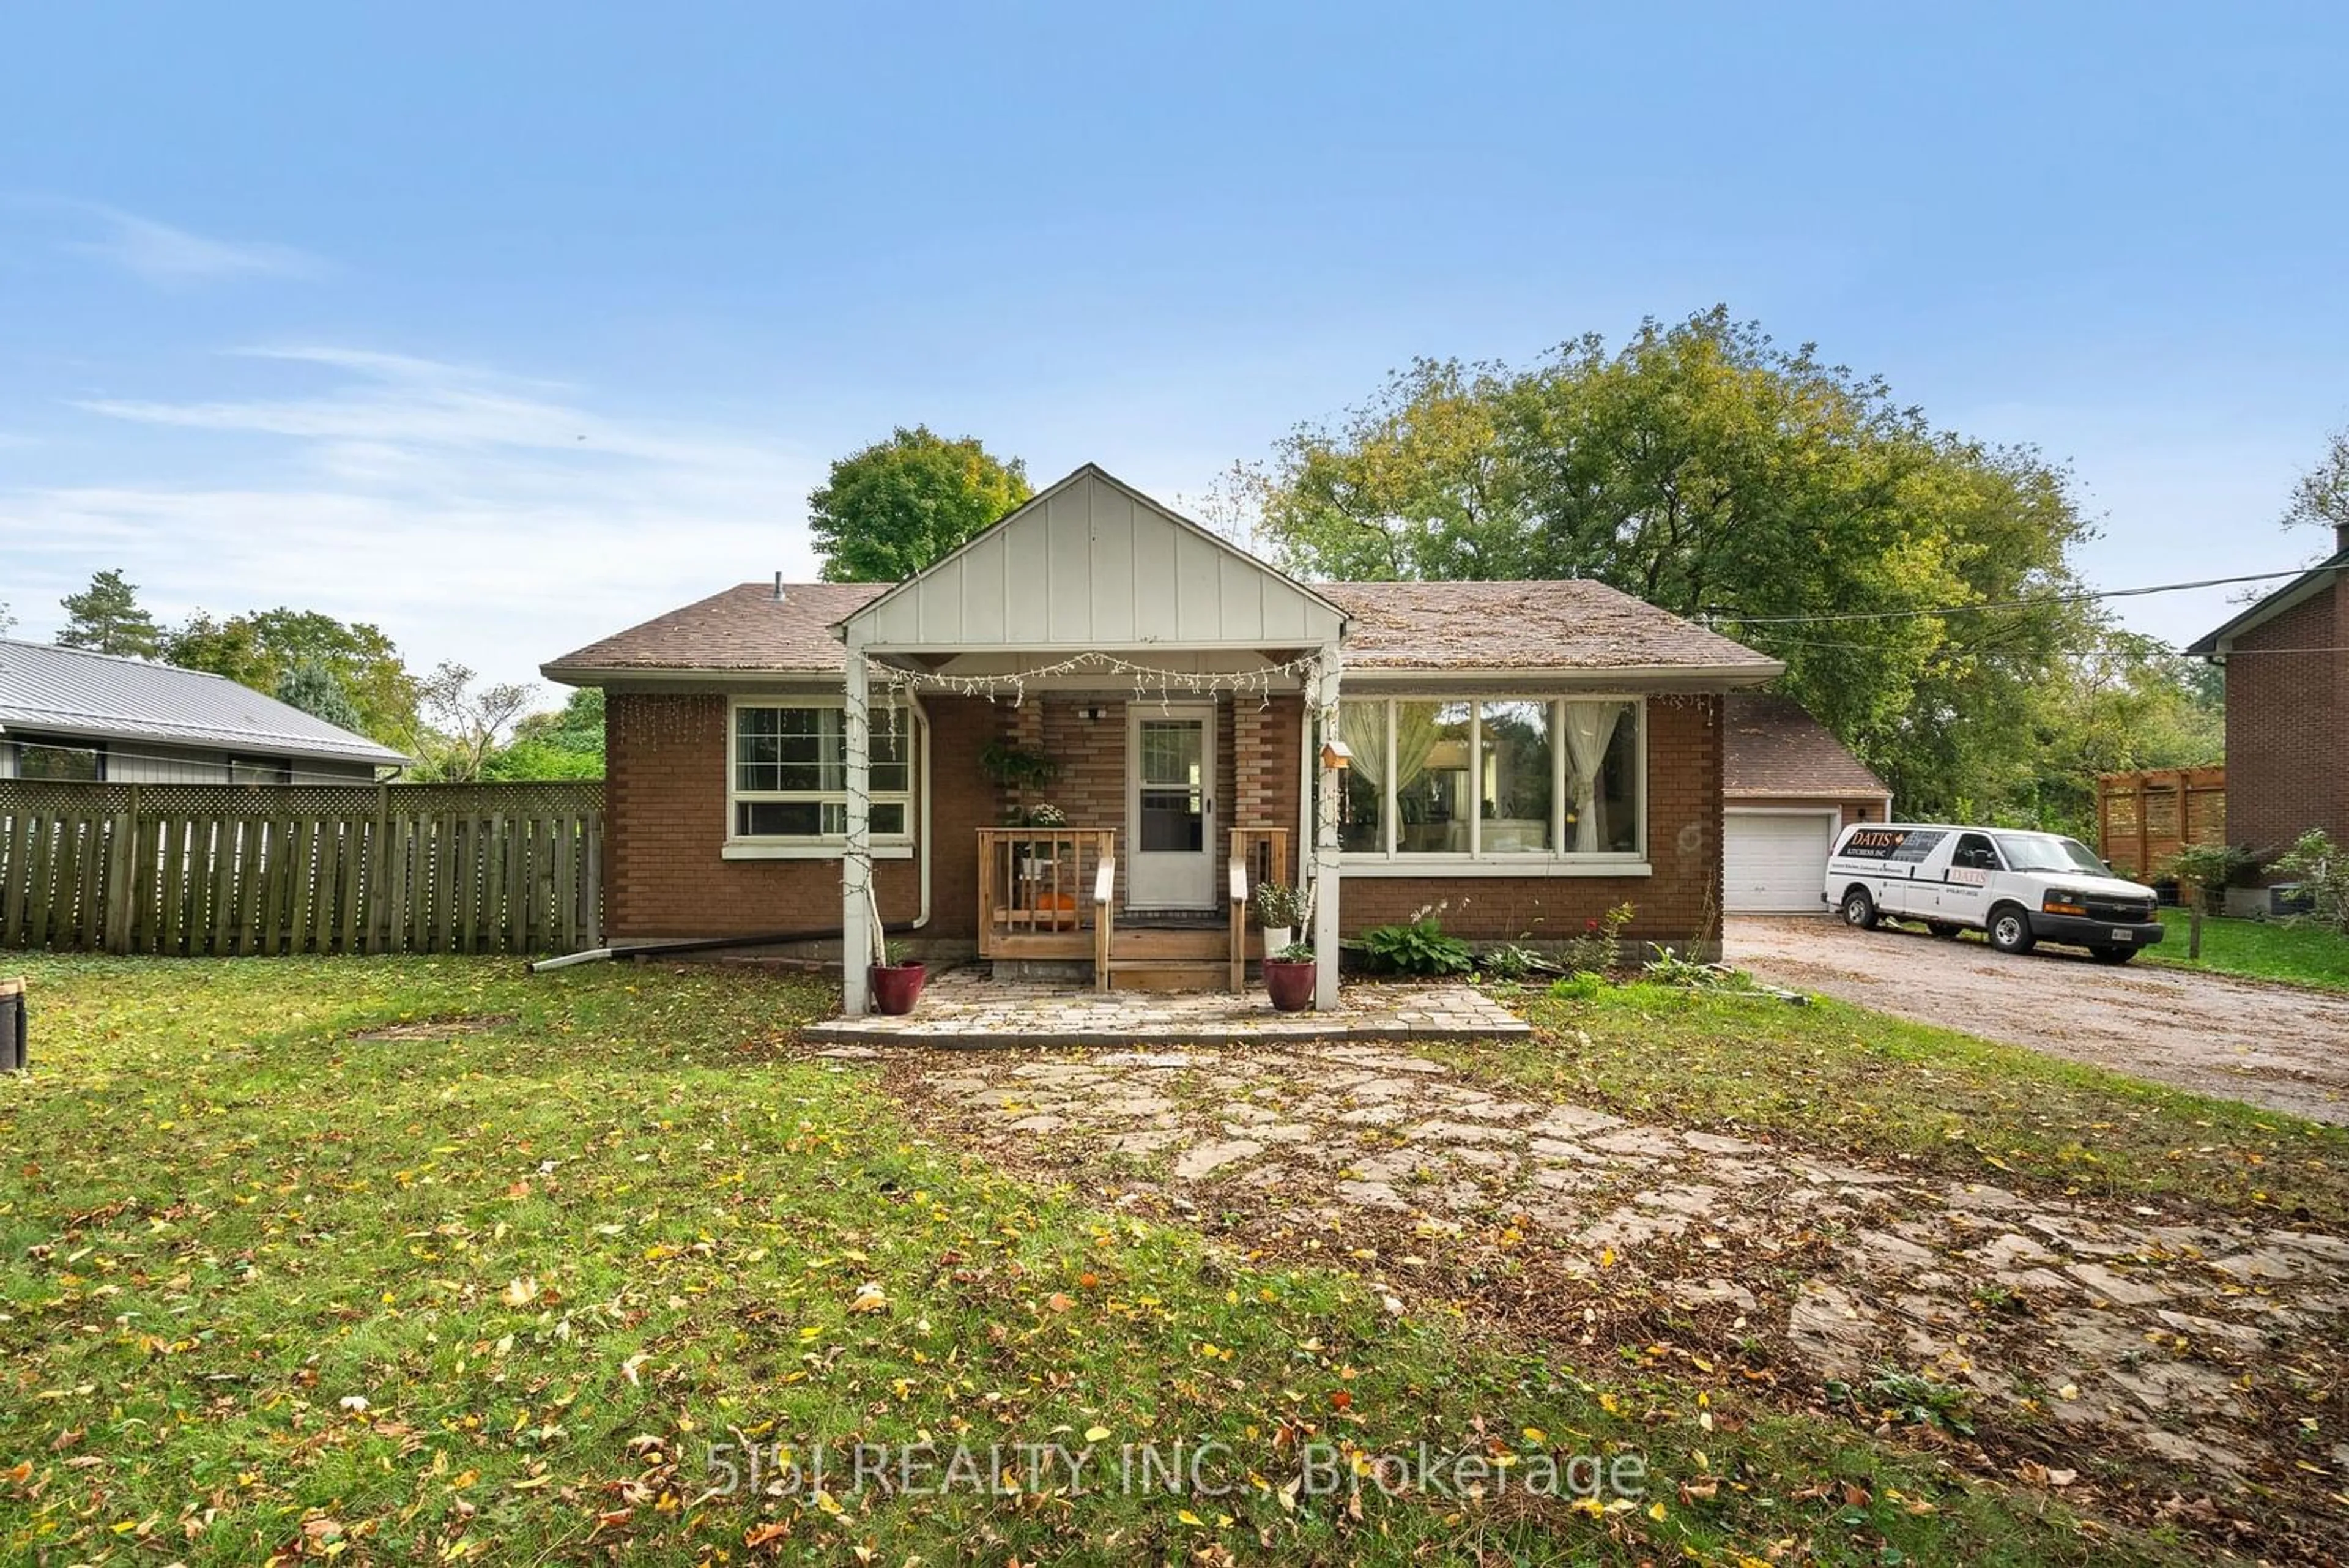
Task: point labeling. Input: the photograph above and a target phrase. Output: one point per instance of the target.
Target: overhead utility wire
(2032, 603)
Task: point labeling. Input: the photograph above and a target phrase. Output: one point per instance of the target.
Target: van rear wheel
(2009, 930)
(1859, 909)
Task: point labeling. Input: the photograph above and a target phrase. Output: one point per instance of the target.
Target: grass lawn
(2262, 950)
(1831, 1076)
(490, 1291)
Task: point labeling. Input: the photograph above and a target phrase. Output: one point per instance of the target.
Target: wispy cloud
(174, 258)
(474, 515)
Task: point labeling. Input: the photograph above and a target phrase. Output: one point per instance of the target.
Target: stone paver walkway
(963, 1007)
(2187, 1340)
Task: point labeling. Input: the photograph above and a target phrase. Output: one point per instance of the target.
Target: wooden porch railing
(1046, 892)
(1258, 854)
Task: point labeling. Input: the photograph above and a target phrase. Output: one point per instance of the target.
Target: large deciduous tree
(263, 648)
(2321, 497)
(106, 618)
(565, 742)
(892, 509)
(1795, 505)
(467, 720)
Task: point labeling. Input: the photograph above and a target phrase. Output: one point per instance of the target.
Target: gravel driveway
(2274, 1045)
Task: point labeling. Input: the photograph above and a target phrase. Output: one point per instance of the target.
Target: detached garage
(1787, 787)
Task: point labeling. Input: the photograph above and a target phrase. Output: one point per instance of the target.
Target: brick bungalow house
(2287, 670)
(1527, 755)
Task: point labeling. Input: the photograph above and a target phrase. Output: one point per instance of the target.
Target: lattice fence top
(569, 797)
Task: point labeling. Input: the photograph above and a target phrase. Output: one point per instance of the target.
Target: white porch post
(856, 864)
(1327, 781)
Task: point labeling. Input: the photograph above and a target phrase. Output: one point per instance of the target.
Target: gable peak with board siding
(1093, 562)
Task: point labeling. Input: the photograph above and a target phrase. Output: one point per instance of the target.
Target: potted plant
(896, 981)
(1276, 911)
(1289, 975)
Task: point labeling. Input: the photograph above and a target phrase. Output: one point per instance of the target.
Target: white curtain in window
(1590, 726)
(1364, 727)
(1416, 732)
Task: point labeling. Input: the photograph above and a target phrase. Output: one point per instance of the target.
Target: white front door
(1169, 861)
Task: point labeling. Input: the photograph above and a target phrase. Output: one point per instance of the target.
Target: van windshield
(2047, 852)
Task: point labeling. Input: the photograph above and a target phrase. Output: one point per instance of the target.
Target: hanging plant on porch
(1017, 767)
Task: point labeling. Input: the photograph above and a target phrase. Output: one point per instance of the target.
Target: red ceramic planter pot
(896, 987)
(1291, 982)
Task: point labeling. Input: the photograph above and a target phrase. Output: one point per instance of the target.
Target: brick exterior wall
(1678, 904)
(665, 824)
(666, 793)
(2288, 726)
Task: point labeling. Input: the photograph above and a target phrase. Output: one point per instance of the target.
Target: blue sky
(507, 326)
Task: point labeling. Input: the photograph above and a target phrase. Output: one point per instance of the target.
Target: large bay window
(1493, 780)
(789, 781)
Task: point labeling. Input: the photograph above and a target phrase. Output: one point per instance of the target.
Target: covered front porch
(1156, 698)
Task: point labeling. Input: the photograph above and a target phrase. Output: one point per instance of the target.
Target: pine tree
(106, 617)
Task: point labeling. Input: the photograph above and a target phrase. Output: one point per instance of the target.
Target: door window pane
(1361, 827)
(1173, 790)
(1515, 778)
(1433, 800)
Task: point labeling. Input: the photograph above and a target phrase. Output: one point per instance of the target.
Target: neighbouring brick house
(2287, 670)
(1527, 754)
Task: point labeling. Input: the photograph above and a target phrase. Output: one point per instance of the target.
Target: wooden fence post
(121, 867)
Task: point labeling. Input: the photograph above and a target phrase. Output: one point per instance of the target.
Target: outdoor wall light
(1337, 755)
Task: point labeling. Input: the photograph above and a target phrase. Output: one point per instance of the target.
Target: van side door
(1963, 894)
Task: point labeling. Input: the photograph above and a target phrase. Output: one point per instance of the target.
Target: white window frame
(817, 845)
(1558, 861)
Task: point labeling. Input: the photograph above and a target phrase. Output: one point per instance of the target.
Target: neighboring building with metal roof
(66, 713)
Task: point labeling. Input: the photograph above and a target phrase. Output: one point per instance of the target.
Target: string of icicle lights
(1147, 681)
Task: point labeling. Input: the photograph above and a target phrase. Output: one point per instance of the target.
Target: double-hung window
(789, 782)
(1502, 780)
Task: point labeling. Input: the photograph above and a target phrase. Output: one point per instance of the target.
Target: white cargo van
(2020, 888)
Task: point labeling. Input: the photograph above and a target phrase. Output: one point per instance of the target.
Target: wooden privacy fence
(197, 870)
(2144, 818)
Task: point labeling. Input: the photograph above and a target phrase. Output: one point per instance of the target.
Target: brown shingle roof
(1565, 625)
(1553, 625)
(1773, 748)
(743, 628)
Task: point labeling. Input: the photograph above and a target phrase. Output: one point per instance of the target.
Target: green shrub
(1510, 961)
(2210, 868)
(1420, 947)
(1599, 948)
(2322, 869)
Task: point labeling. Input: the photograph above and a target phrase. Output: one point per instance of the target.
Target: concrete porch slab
(966, 1008)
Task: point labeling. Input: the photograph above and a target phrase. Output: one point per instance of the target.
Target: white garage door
(1772, 862)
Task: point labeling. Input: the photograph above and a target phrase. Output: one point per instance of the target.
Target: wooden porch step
(1169, 974)
(1198, 942)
